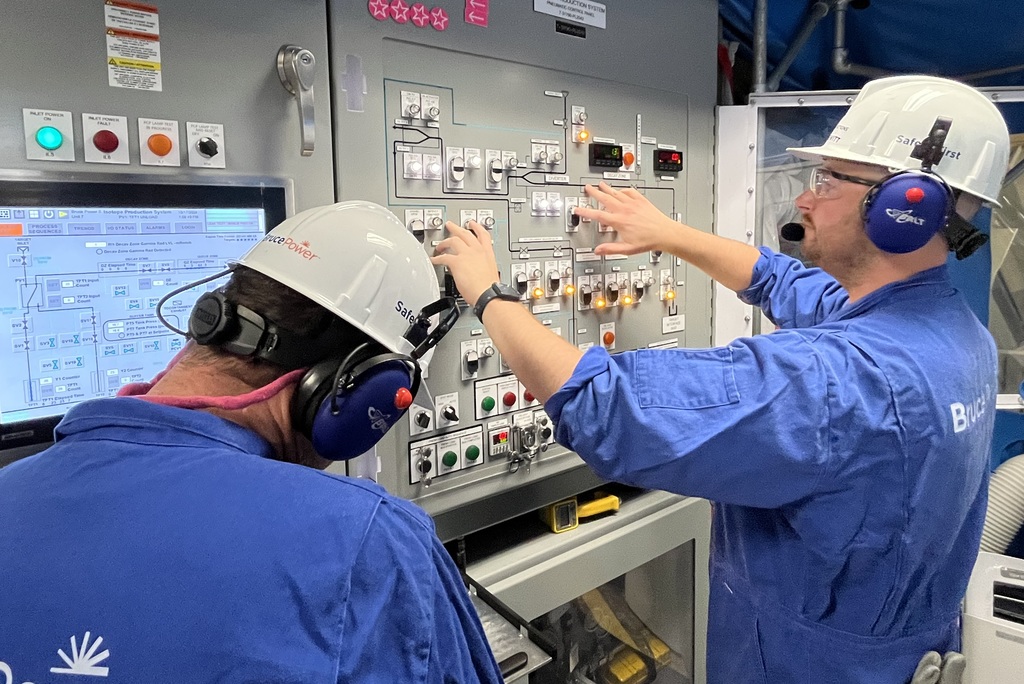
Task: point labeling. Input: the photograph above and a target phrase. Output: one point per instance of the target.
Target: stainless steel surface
(296, 68)
(505, 640)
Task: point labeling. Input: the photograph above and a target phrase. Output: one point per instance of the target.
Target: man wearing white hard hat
(846, 454)
(185, 531)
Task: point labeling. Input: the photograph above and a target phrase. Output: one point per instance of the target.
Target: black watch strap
(495, 291)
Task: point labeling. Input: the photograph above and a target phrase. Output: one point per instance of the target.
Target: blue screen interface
(79, 289)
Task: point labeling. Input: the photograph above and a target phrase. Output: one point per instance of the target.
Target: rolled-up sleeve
(790, 294)
(747, 424)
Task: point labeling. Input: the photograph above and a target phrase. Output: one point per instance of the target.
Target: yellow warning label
(134, 63)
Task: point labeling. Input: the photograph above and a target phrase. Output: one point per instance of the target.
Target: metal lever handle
(297, 68)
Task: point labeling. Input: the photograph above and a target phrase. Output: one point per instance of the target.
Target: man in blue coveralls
(847, 452)
(176, 534)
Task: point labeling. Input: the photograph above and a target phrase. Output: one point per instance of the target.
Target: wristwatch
(495, 291)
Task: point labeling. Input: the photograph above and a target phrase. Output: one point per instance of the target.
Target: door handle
(297, 68)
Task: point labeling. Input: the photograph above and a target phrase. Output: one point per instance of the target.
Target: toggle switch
(457, 169)
(472, 362)
(416, 226)
(521, 283)
(496, 170)
(638, 290)
(554, 281)
(613, 293)
(586, 294)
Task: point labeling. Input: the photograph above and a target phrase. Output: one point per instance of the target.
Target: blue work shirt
(166, 545)
(846, 455)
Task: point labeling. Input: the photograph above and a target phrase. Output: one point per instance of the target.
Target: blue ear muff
(903, 211)
(346, 408)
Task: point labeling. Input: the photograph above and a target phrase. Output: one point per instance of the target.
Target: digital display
(79, 290)
(605, 154)
(498, 438)
(668, 160)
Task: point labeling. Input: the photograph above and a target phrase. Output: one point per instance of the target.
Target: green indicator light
(487, 404)
(449, 459)
(473, 452)
(49, 138)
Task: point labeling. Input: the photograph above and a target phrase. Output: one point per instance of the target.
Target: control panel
(475, 137)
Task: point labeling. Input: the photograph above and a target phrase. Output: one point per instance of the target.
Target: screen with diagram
(79, 291)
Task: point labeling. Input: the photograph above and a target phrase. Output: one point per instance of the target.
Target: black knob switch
(450, 414)
(424, 466)
(423, 419)
(545, 433)
(207, 147)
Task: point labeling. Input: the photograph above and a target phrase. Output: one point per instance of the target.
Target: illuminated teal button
(449, 459)
(49, 138)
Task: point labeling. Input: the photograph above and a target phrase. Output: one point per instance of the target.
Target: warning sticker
(133, 45)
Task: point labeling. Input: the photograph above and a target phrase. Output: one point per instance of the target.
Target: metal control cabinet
(503, 124)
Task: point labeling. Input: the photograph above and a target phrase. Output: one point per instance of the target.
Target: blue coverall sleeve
(746, 424)
(790, 294)
(409, 617)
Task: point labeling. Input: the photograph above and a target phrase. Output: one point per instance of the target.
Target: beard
(846, 253)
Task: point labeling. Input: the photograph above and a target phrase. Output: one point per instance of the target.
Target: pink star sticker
(379, 9)
(439, 19)
(420, 15)
(399, 11)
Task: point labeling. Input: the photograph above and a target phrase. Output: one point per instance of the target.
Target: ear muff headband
(904, 210)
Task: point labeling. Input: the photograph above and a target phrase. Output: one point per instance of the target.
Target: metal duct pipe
(1005, 514)
(840, 62)
(815, 14)
(760, 45)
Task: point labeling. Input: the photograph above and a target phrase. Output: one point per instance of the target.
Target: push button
(106, 141)
(159, 144)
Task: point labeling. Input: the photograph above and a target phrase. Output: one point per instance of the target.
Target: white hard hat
(892, 115)
(356, 260)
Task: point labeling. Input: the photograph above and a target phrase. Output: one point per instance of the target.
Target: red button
(915, 195)
(528, 396)
(403, 399)
(106, 141)
(509, 399)
(609, 338)
(159, 144)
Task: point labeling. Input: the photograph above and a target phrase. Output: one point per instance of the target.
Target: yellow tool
(565, 515)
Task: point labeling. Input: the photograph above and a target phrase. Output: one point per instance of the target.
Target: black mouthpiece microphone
(794, 232)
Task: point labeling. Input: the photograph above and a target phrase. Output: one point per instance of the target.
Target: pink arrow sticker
(439, 19)
(379, 9)
(477, 11)
(399, 11)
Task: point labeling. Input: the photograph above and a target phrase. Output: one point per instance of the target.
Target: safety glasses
(824, 183)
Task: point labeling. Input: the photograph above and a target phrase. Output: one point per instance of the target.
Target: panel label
(581, 11)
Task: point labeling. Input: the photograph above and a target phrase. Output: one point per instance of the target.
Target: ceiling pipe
(818, 11)
(760, 45)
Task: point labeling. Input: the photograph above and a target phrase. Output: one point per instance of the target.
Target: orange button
(628, 159)
(159, 144)
(609, 338)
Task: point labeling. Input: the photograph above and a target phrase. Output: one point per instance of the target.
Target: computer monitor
(83, 267)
